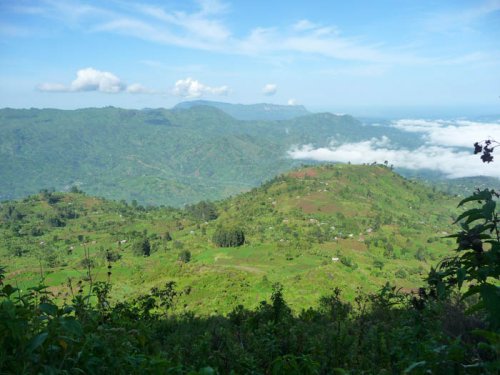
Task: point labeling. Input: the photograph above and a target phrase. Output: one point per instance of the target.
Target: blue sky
(346, 56)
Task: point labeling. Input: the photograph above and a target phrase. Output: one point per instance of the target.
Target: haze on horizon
(359, 58)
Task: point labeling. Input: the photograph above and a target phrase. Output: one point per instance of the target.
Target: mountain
(172, 157)
(310, 229)
(251, 112)
(154, 156)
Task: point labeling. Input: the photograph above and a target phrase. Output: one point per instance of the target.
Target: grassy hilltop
(312, 229)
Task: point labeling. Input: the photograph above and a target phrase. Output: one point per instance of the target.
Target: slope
(312, 230)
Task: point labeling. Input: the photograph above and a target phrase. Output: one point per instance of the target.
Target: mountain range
(197, 150)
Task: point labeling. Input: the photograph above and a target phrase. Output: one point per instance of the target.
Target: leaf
(48, 308)
(483, 195)
(414, 366)
(492, 337)
(491, 298)
(206, 371)
(473, 212)
(37, 341)
(461, 274)
(478, 306)
(8, 290)
(472, 290)
(489, 209)
(63, 344)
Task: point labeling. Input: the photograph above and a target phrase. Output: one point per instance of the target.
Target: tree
(203, 211)
(477, 263)
(228, 237)
(185, 256)
(142, 247)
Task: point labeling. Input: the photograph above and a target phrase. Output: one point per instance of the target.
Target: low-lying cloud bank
(442, 149)
(458, 133)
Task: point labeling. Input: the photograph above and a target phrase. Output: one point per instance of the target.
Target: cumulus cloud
(192, 88)
(270, 89)
(90, 79)
(292, 101)
(446, 147)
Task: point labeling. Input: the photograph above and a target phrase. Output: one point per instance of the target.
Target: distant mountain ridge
(251, 112)
(160, 156)
(154, 156)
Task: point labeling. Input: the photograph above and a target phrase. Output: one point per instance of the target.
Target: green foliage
(185, 256)
(477, 263)
(142, 247)
(202, 211)
(381, 333)
(228, 236)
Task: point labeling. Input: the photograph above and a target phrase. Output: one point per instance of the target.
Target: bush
(202, 211)
(185, 256)
(401, 274)
(142, 247)
(228, 237)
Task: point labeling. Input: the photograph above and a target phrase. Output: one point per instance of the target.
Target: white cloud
(90, 79)
(442, 149)
(445, 160)
(270, 89)
(205, 28)
(292, 101)
(458, 133)
(192, 88)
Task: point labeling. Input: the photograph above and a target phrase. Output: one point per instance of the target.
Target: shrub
(401, 274)
(228, 237)
(185, 256)
(203, 211)
(142, 247)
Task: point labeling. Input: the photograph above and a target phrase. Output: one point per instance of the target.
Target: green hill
(311, 229)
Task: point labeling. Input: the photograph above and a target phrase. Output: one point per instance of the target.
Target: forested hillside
(158, 156)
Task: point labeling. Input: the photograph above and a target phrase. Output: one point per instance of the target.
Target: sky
(359, 57)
